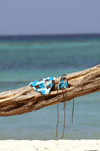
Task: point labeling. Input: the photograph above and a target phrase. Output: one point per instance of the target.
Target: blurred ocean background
(28, 58)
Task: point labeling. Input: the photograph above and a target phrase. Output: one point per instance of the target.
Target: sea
(24, 59)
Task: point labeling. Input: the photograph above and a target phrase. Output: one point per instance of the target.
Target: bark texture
(25, 99)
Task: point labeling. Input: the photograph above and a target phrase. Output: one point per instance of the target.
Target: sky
(32, 17)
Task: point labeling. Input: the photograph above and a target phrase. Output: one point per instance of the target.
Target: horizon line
(69, 34)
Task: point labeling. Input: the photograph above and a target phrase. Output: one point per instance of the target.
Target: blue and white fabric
(45, 85)
(63, 84)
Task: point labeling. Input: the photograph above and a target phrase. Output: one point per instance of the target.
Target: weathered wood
(25, 99)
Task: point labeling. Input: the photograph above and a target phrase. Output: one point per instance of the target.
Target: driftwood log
(25, 99)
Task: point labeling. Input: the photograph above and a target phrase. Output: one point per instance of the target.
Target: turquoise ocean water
(28, 58)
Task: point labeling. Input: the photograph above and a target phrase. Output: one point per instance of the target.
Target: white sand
(50, 145)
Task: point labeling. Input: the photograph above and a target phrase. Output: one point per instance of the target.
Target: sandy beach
(50, 145)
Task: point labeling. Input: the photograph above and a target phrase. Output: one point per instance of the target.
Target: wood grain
(25, 99)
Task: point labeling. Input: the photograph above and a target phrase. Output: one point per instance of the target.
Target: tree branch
(25, 99)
